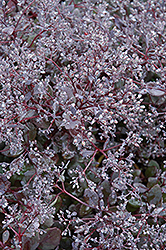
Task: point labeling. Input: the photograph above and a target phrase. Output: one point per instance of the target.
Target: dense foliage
(82, 124)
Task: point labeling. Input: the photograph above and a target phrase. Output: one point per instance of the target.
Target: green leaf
(133, 205)
(136, 173)
(154, 195)
(92, 176)
(30, 132)
(154, 164)
(84, 210)
(7, 152)
(57, 203)
(66, 243)
(140, 187)
(152, 181)
(49, 89)
(106, 187)
(152, 168)
(73, 170)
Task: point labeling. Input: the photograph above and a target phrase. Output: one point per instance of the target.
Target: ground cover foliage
(82, 124)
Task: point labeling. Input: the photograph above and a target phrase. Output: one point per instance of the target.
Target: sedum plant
(82, 124)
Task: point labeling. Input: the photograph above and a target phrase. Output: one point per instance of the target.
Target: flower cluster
(82, 124)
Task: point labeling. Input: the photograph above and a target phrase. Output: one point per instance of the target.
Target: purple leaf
(50, 239)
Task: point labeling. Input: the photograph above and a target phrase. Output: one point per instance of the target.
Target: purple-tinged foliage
(82, 124)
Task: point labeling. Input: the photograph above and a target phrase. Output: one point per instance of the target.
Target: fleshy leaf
(91, 197)
(156, 92)
(152, 181)
(84, 210)
(140, 187)
(50, 239)
(4, 184)
(155, 195)
(106, 188)
(30, 243)
(5, 236)
(133, 205)
(152, 169)
(112, 198)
